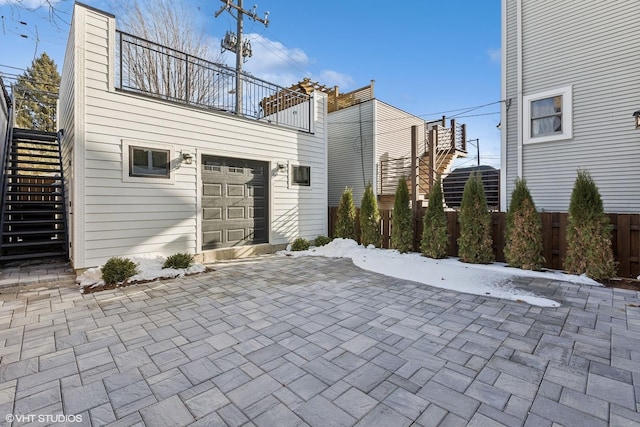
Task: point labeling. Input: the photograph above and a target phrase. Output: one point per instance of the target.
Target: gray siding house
(570, 84)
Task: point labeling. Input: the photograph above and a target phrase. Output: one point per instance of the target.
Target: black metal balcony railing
(158, 71)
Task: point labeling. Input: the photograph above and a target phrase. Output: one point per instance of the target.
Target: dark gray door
(234, 202)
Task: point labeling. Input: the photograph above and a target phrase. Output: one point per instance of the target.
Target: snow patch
(149, 269)
(492, 279)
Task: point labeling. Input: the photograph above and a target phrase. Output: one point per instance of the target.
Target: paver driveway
(283, 342)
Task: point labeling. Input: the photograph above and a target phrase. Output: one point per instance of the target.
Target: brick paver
(312, 341)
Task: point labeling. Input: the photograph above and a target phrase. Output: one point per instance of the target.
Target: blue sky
(428, 58)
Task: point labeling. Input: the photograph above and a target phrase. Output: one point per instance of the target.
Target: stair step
(34, 145)
(33, 232)
(32, 255)
(15, 147)
(33, 212)
(19, 184)
(24, 184)
(34, 193)
(32, 134)
(15, 153)
(33, 243)
(35, 162)
(24, 169)
(32, 203)
(33, 221)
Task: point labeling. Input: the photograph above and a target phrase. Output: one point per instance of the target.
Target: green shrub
(178, 261)
(300, 244)
(475, 242)
(434, 232)
(321, 240)
(346, 222)
(369, 219)
(402, 219)
(523, 231)
(589, 231)
(117, 270)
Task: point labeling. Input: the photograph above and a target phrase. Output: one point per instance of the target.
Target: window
(547, 116)
(148, 162)
(301, 175)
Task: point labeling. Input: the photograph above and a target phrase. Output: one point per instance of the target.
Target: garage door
(234, 202)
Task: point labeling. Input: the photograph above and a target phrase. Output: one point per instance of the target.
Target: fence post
(433, 143)
(186, 75)
(464, 140)
(453, 134)
(121, 47)
(414, 168)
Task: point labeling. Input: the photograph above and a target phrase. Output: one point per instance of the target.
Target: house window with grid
(547, 116)
(301, 175)
(147, 162)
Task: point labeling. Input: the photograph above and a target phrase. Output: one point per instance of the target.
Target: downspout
(519, 76)
(503, 109)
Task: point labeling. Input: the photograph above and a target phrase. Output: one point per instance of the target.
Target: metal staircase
(33, 221)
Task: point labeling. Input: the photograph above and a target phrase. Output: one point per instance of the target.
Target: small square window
(301, 175)
(547, 116)
(146, 162)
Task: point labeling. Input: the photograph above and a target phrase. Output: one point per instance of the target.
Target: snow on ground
(149, 268)
(493, 279)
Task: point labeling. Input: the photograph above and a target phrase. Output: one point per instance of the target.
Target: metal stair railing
(4, 161)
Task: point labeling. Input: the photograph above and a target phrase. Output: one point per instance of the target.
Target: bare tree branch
(169, 66)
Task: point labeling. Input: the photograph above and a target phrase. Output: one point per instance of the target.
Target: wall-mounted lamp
(282, 166)
(187, 158)
(637, 117)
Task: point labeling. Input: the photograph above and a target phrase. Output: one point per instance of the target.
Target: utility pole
(235, 43)
(477, 140)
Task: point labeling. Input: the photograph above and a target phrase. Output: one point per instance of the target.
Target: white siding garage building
(148, 175)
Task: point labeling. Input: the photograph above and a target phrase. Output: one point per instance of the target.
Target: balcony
(147, 68)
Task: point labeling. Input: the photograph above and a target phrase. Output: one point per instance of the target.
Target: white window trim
(567, 115)
(293, 184)
(127, 143)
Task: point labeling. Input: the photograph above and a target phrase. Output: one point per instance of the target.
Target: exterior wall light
(637, 117)
(187, 158)
(282, 166)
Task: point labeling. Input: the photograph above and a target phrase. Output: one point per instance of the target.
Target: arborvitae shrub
(588, 232)
(475, 242)
(346, 221)
(178, 261)
(369, 219)
(300, 244)
(402, 219)
(434, 232)
(321, 240)
(117, 270)
(523, 231)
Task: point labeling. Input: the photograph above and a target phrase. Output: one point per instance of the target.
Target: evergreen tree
(36, 93)
(346, 222)
(402, 220)
(589, 231)
(434, 232)
(523, 231)
(369, 219)
(475, 242)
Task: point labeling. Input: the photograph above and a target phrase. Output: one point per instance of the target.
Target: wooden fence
(625, 242)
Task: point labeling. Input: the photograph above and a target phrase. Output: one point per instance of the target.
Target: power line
(432, 115)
